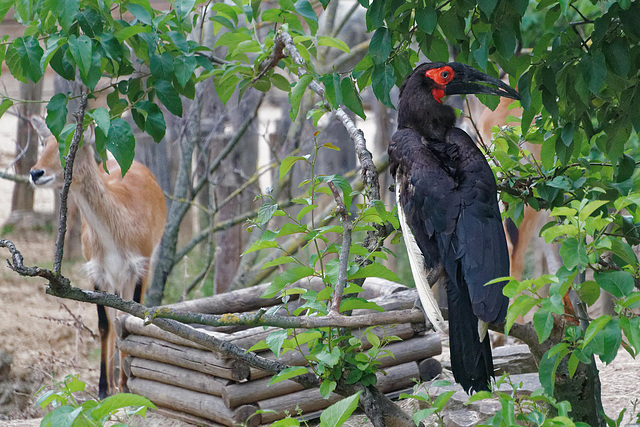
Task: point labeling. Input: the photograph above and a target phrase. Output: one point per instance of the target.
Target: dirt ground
(48, 338)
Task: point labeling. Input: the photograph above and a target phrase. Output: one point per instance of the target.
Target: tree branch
(343, 259)
(68, 175)
(23, 179)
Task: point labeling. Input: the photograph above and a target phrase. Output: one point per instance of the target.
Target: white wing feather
(418, 270)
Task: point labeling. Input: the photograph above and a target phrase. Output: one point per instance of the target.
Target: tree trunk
(26, 147)
(232, 174)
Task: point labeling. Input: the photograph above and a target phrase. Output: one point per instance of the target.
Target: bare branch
(15, 178)
(68, 175)
(344, 251)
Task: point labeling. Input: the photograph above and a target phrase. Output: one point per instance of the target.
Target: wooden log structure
(204, 361)
(301, 402)
(182, 377)
(193, 402)
(416, 349)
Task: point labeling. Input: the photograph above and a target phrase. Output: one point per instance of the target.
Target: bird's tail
(471, 359)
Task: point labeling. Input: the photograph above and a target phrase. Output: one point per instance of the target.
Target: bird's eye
(444, 75)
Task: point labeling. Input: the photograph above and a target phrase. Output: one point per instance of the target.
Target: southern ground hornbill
(448, 209)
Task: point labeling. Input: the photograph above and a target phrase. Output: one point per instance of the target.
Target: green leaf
(121, 143)
(112, 404)
(168, 96)
(65, 415)
(295, 96)
(612, 339)
(287, 277)
(422, 414)
(548, 366)
(102, 119)
(154, 122)
(81, 51)
(275, 341)
(426, 18)
(380, 46)
(288, 373)
(375, 14)
(66, 11)
(329, 358)
(617, 56)
(375, 270)
(305, 210)
(280, 82)
(594, 70)
(487, 6)
(617, 283)
(358, 304)
(351, 98)
(332, 92)
(595, 327)
(574, 253)
(442, 399)
(141, 13)
(481, 395)
(326, 388)
(382, 81)
(333, 42)
(161, 66)
(126, 33)
(29, 52)
(589, 292)
(631, 328)
(5, 6)
(520, 306)
(623, 251)
(543, 323)
(5, 105)
(285, 422)
(265, 213)
(261, 244)
(338, 413)
(304, 9)
(287, 163)
(57, 113)
(342, 184)
(590, 207)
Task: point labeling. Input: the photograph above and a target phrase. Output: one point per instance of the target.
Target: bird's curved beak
(468, 80)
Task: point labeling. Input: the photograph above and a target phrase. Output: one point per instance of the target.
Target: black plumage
(448, 197)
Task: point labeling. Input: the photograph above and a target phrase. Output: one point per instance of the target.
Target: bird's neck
(420, 111)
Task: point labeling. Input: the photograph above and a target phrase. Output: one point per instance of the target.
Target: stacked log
(186, 378)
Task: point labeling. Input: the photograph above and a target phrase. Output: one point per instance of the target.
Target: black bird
(448, 209)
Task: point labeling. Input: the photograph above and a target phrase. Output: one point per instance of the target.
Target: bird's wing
(482, 247)
(427, 209)
(419, 269)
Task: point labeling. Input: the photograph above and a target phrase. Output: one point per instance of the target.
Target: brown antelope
(122, 223)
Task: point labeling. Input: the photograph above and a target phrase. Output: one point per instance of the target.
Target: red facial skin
(441, 76)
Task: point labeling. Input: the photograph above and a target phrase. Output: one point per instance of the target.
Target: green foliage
(436, 403)
(333, 355)
(576, 73)
(95, 39)
(70, 406)
(517, 408)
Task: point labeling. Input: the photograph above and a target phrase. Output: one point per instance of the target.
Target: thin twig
(22, 179)
(343, 259)
(230, 145)
(68, 175)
